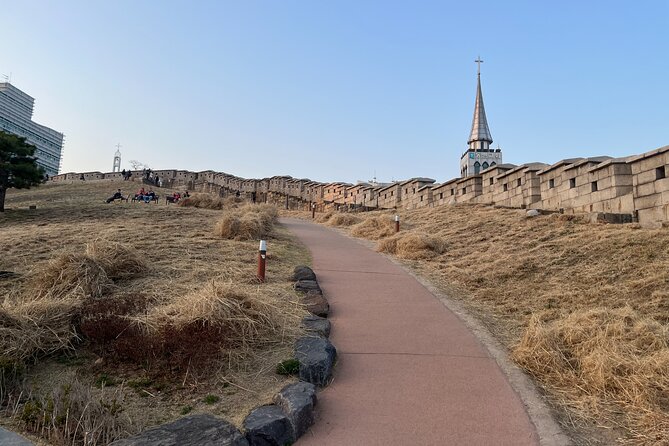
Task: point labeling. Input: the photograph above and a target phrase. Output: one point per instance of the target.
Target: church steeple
(479, 156)
(480, 137)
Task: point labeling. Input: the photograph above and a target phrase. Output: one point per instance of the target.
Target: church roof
(480, 130)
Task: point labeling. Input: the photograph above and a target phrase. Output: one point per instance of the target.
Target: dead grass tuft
(248, 318)
(595, 356)
(374, 228)
(249, 222)
(343, 219)
(323, 218)
(204, 201)
(413, 246)
(42, 317)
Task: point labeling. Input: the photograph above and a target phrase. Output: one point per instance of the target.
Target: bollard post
(262, 257)
(313, 210)
(397, 223)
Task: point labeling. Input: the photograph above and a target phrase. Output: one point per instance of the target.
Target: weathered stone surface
(316, 357)
(302, 272)
(317, 325)
(195, 430)
(532, 213)
(298, 401)
(307, 285)
(316, 304)
(268, 426)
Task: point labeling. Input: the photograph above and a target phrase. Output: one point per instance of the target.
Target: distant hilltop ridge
(635, 188)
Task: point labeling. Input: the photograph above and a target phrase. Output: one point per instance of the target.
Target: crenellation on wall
(650, 186)
(468, 189)
(445, 193)
(636, 185)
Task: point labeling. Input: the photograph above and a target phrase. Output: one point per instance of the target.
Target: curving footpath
(409, 371)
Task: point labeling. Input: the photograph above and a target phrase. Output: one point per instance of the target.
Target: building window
(464, 190)
(485, 165)
(594, 186)
(505, 187)
(421, 198)
(660, 173)
(413, 191)
(392, 193)
(441, 195)
(477, 167)
(492, 180)
(518, 183)
(452, 191)
(572, 183)
(551, 183)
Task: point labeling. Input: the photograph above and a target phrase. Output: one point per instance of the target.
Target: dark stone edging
(292, 413)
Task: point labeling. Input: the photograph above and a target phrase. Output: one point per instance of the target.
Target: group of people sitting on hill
(176, 196)
(145, 196)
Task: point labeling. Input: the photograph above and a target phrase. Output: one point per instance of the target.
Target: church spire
(480, 137)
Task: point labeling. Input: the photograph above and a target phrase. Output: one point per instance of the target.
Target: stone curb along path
(409, 371)
(292, 413)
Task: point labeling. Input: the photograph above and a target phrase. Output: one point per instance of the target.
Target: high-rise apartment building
(16, 111)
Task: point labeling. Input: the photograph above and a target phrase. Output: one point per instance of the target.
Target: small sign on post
(397, 223)
(313, 210)
(262, 258)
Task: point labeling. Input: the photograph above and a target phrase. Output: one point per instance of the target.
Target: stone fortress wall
(635, 188)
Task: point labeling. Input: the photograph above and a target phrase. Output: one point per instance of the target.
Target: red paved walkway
(409, 372)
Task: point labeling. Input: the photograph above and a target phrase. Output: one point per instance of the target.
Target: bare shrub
(598, 355)
(374, 228)
(413, 246)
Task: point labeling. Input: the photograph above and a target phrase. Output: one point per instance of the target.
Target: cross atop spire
(478, 63)
(480, 137)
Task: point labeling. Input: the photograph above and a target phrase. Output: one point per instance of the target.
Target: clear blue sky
(337, 90)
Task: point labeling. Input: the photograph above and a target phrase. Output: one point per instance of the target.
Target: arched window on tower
(493, 164)
(485, 165)
(477, 167)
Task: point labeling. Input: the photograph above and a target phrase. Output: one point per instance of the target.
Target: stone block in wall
(647, 202)
(645, 189)
(653, 217)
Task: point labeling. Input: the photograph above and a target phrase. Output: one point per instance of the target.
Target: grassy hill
(124, 315)
(584, 308)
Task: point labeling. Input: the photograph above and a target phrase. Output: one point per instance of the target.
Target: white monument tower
(117, 159)
(479, 156)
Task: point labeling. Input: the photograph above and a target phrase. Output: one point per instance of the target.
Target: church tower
(479, 156)
(117, 159)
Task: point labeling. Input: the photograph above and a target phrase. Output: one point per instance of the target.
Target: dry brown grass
(600, 359)
(154, 299)
(341, 219)
(249, 222)
(375, 227)
(412, 245)
(205, 201)
(583, 307)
